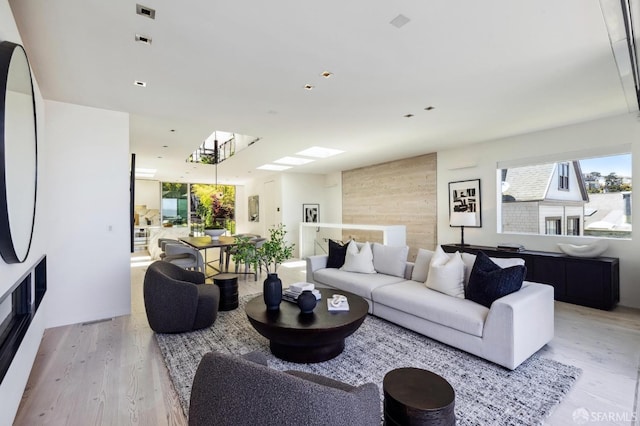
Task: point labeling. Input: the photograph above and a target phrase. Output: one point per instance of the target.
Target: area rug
(486, 394)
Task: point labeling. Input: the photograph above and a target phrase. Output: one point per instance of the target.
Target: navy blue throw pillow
(489, 282)
(337, 253)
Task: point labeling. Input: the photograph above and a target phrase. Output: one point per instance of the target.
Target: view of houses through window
(587, 197)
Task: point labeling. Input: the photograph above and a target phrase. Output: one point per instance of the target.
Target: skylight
(273, 167)
(228, 145)
(319, 152)
(294, 161)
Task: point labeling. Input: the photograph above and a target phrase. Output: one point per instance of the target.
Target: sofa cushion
(446, 273)
(358, 260)
(489, 282)
(337, 253)
(414, 298)
(390, 260)
(360, 284)
(503, 262)
(421, 265)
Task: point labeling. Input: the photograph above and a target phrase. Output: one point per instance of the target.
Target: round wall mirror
(18, 154)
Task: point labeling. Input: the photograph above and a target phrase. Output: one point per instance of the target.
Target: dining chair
(184, 256)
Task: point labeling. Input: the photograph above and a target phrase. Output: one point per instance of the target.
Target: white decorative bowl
(594, 249)
(214, 233)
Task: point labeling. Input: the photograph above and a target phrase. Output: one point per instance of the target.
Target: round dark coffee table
(413, 396)
(307, 338)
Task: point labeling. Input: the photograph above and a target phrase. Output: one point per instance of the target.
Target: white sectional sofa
(510, 331)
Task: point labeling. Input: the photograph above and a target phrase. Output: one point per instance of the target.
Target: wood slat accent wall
(401, 192)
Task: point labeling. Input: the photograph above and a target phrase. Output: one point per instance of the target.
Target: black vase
(272, 292)
(306, 302)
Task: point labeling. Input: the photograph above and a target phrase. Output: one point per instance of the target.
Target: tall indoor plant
(272, 253)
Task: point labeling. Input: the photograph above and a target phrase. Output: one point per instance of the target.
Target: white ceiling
(491, 69)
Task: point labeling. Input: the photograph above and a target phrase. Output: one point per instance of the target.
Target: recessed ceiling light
(273, 167)
(326, 74)
(430, 108)
(400, 21)
(319, 152)
(165, 146)
(308, 87)
(172, 130)
(143, 39)
(140, 83)
(293, 161)
(408, 115)
(145, 11)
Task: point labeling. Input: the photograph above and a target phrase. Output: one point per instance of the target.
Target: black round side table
(413, 396)
(228, 285)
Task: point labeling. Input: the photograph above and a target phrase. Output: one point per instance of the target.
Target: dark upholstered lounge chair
(232, 390)
(177, 300)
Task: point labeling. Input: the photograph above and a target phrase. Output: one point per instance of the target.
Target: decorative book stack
(291, 294)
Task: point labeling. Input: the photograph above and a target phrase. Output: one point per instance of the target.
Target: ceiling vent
(145, 11)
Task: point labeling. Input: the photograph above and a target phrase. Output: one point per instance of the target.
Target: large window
(582, 196)
(175, 204)
(206, 204)
(214, 205)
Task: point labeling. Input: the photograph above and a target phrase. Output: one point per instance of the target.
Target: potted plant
(272, 253)
(220, 213)
(275, 250)
(245, 251)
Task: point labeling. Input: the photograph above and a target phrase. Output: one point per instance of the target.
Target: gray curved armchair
(232, 390)
(177, 300)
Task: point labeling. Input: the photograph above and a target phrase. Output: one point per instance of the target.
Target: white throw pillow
(503, 262)
(359, 260)
(446, 273)
(421, 265)
(390, 260)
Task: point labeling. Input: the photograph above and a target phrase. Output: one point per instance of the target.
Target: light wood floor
(112, 373)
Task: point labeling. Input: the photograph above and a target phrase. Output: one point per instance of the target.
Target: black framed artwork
(311, 213)
(254, 208)
(464, 197)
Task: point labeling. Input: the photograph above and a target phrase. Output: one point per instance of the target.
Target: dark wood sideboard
(592, 282)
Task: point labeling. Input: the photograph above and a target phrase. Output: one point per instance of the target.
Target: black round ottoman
(413, 396)
(228, 285)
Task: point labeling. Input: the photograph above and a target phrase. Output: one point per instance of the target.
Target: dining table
(224, 243)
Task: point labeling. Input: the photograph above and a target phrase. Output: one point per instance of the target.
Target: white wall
(13, 384)
(299, 189)
(290, 192)
(254, 187)
(147, 193)
(88, 188)
(479, 161)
